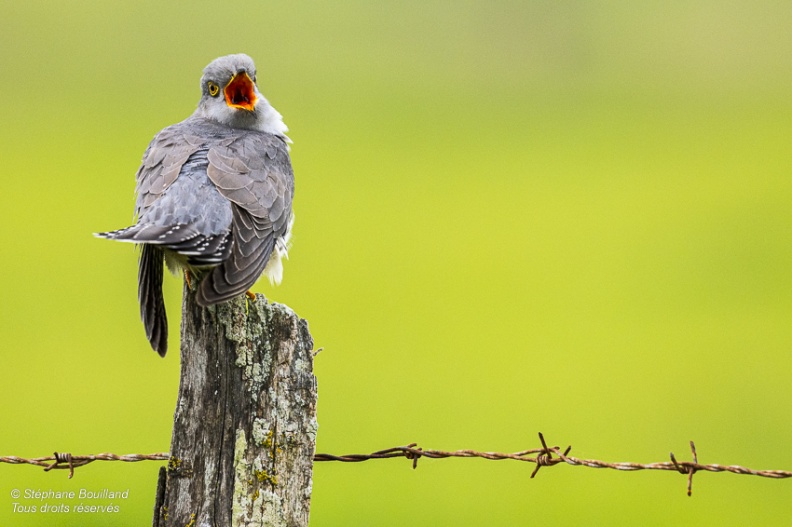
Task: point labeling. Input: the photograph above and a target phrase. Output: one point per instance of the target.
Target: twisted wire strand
(542, 457)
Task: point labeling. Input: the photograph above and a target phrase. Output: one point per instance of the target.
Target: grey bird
(214, 196)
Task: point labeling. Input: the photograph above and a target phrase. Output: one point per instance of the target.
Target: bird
(213, 197)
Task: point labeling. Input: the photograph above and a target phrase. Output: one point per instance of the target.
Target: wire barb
(413, 452)
(687, 468)
(63, 458)
(545, 457)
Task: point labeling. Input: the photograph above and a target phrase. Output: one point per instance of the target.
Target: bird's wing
(254, 173)
(177, 206)
(162, 163)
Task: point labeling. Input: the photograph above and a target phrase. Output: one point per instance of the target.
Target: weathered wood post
(244, 429)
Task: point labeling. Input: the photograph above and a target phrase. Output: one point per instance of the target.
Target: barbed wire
(65, 460)
(544, 457)
(541, 457)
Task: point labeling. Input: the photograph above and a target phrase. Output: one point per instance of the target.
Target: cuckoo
(214, 196)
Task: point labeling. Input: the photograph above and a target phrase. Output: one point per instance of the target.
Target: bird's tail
(152, 305)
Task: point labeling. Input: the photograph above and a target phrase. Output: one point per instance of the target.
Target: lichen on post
(244, 431)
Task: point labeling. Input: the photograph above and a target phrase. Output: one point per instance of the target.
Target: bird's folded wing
(162, 163)
(254, 173)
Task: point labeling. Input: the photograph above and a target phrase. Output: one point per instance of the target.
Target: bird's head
(229, 95)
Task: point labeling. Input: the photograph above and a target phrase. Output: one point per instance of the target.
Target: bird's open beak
(240, 92)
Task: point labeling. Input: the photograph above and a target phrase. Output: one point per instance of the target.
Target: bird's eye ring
(214, 89)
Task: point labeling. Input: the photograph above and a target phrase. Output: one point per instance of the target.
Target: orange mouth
(241, 93)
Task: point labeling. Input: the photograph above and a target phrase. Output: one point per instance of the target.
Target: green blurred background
(512, 217)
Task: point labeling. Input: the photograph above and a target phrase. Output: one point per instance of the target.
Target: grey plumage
(214, 195)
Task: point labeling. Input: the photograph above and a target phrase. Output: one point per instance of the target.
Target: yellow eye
(213, 89)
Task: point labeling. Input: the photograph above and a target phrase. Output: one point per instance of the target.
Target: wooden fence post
(244, 430)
